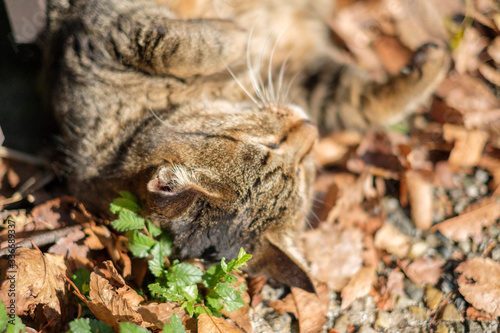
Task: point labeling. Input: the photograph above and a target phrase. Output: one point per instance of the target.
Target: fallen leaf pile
(404, 233)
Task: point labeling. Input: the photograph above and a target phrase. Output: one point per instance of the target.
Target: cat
(206, 110)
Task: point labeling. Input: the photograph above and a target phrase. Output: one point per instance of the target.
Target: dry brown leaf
(68, 246)
(491, 74)
(423, 270)
(311, 308)
(286, 304)
(392, 53)
(494, 50)
(211, 324)
(328, 151)
(109, 306)
(420, 191)
(391, 240)
(393, 287)
(358, 287)
(159, 314)
(466, 54)
(470, 224)
(469, 145)
(334, 254)
(53, 214)
(479, 285)
(472, 98)
(40, 284)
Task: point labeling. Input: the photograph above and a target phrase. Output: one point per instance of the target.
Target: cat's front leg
(182, 48)
(341, 97)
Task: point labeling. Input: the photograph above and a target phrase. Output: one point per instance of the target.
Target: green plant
(195, 290)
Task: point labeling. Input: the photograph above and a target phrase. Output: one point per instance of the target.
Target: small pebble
(464, 246)
(481, 176)
(418, 312)
(366, 329)
(433, 297)
(450, 313)
(444, 251)
(341, 324)
(383, 320)
(418, 250)
(495, 254)
(413, 291)
(441, 328)
(460, 303)
(447, 287)
(459, 327)
(474, 327)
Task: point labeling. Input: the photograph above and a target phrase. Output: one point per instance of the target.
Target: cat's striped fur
(197, 107)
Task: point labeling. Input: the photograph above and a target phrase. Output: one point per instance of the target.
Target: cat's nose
(301, 138)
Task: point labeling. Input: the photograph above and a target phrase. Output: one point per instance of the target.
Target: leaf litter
(406, 227)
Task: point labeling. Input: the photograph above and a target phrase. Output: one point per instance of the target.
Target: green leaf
(139, 243)
(214, 302)
(157, 263)
(131, 328)
(243, 257)
(175, 325)
(128, 221)
(129, 196)
(166, 244)
(233, 303)
(213, 275)
(153, 230)
(190, 292)
(81, 325)
(127, 202)
(122, 204)
(3, 316)
(99, 326)
(81, 279)
(17, 327)
(184, 274)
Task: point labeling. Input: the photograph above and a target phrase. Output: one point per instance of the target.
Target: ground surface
(405, 233)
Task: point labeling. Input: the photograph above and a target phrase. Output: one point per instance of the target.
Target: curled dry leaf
(423, 270)
(109, 306)
(420, 190)
(211, 324)
(311, 308)
(469, 145)
(53, 214)
(68, 246)
(388, 238)
(335, 255)
(478, 283)
(358, 287)
(39, 285)
(470, 224)
(159, 314)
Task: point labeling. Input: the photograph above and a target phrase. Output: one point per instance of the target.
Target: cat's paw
(429, 61)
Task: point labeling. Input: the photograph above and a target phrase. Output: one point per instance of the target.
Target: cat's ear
(172, 191)
(274, 261)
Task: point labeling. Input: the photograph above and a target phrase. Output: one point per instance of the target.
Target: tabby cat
(201, 109)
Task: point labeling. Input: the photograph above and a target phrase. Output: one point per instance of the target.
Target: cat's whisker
(270, 83)
(251, 72)
(242, 86)
(280, 78)
(158, 118)
(290, 84)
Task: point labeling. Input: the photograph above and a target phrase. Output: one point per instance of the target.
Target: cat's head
(227, 176)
